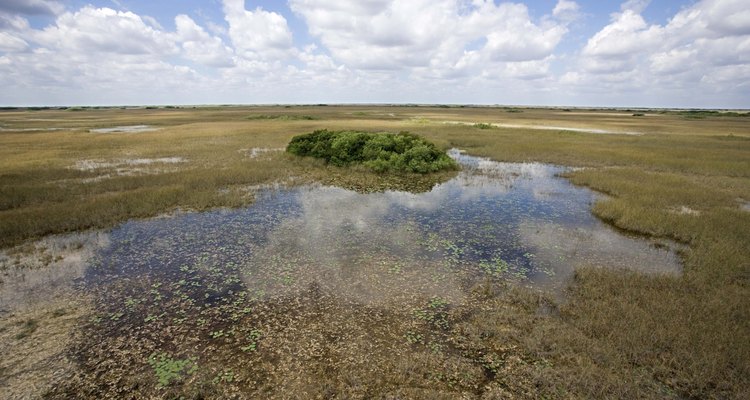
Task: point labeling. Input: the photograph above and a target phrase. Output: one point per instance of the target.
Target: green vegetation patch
(380, 152)
(168, 370)
(701, 114)
(283, 117)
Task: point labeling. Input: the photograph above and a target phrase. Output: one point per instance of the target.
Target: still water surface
(519, 223)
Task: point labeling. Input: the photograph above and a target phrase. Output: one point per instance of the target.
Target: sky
(634, 53)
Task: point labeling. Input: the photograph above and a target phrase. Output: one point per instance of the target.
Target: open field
(669, 175)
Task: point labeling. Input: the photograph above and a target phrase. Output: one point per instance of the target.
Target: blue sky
(655, 53)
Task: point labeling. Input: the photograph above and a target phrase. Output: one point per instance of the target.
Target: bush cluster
(380, 152)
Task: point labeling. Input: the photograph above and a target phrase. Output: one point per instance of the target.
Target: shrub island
(380, 152)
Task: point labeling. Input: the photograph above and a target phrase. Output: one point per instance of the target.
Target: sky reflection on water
(515, 222)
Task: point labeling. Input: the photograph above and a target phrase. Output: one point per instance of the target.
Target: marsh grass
(28, 327)
(616, 334)
(34, 343)
(663, 335)
(282, 117)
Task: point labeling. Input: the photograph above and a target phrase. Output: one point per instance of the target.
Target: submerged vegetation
(380, 152)
(613, 334)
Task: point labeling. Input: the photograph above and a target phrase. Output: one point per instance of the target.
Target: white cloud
(672, 61)
(217, 29)
(523, 41)
(103, 30)
(31, 7)
(377, 34)
(99, 54)
(696, 50)
(318, 62)
(534, 69)
(431, 35)
(735, 76)
(566, 10)
(257, 34)
(625, 37)
(376, 50)
(199, 46)
(13, 23)
(11, 43)
(635, 6)
(714, 32)
(727, 17)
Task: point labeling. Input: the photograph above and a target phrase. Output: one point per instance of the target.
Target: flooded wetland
(496, 281)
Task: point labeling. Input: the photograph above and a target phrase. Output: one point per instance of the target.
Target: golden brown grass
(615, 335)
(34, 346)
(637, 336)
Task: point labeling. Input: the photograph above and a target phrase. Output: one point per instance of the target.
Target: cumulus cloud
(199, 46)
(376, 34)
(104, 30)
(698, 46)
(257, 34)
(374, 50)
(626, 36)
(98, 53)
(434, 35)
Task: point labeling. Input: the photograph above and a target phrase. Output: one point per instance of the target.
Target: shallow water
(513, 222)
(310, 277)
(125, 129)
(34, 273)
(552, 128)
(3, 129)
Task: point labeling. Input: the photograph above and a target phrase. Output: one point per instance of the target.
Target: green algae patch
(379, 152)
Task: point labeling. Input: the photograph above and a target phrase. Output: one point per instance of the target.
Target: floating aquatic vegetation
(234, 286)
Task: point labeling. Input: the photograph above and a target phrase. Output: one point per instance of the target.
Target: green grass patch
(380, 152)
(283, 117)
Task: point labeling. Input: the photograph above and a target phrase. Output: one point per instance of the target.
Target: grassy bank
(636, 336)
(616, 334)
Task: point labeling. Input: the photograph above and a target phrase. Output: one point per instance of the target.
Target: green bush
(380, 152)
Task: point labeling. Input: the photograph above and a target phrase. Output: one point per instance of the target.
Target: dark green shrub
(380, 152)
